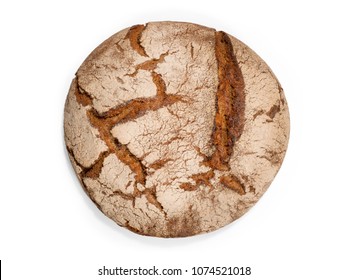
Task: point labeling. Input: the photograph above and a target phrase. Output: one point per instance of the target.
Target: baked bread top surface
(175, 129)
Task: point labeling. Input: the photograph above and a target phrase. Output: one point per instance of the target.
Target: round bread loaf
(175, 129)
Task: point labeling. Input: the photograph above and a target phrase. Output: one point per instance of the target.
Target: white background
(51, 230)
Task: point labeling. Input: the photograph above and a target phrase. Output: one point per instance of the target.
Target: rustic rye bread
(175, 129)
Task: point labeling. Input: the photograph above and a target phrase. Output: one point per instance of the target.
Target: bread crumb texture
(175, 129)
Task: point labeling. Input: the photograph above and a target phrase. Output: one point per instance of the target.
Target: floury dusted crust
(175, 129)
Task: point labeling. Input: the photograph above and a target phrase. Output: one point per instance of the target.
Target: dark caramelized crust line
(81, 176)
(149, 65)
(82, 97)
(233, 183)
(139, 106)
(159, 163)
(230, 103)
(160, 85)
(203, 178)
(133, 229)
(151, 196)
(200, 178)
(229, 118)
(114, 146)
(92, 171)
(273, 111)
(122, 195)
(95, 170)
(189, 187)
(134, 36)
(130, 111)
(71, 153)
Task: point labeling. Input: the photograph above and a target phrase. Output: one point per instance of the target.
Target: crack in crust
(82, 96)
(273, 111)
(129, 111)
(139, 106)
(159, 163)
(200, 178)
(229, 118)
(92, 171)
(134, 36)
(133, 229)
(233, 183)
(149, 65)
(230, 102)
(151, 196)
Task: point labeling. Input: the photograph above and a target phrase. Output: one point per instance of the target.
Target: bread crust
(175, 129)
